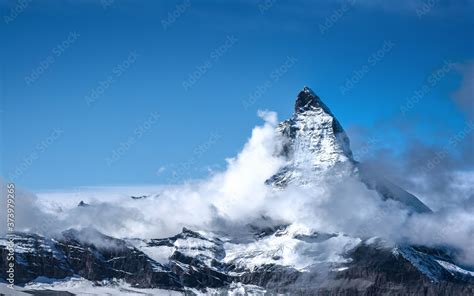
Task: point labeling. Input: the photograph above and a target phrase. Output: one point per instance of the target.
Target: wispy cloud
(464, 96)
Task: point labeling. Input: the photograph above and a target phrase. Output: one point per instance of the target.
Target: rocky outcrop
(373, 270)
(88, 254)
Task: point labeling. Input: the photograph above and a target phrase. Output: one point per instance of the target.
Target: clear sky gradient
(126, 92)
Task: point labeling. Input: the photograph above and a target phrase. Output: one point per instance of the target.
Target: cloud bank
(228, 201)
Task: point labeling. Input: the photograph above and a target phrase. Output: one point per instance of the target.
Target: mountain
(286, 259)
(316, 145)
(268, 256)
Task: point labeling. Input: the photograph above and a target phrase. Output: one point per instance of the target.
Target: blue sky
(126, 92)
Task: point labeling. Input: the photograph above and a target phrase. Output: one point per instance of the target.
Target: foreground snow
(80, 286)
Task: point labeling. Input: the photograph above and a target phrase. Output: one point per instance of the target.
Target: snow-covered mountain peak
(316, 146)
(314, 142)
(308, 100)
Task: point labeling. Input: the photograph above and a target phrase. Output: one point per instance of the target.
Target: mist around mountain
(293, 211)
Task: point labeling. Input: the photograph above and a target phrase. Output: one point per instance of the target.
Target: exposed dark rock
(140, 196)
(89, 254)
(35, 256)
(195, 274)
(82, 204)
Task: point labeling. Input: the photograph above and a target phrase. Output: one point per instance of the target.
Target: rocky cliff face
(85, 253)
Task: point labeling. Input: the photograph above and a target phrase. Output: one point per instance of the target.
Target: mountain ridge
(273, 257)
